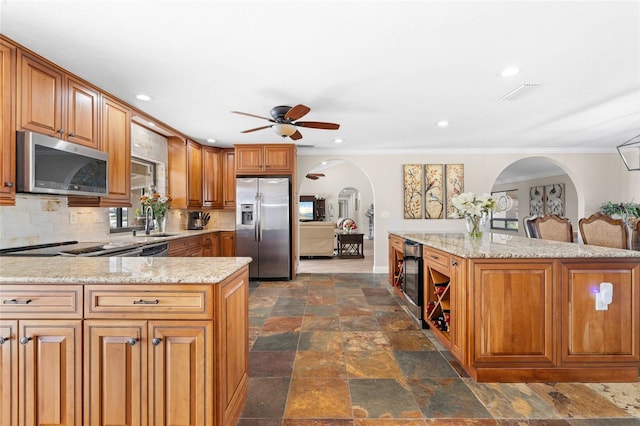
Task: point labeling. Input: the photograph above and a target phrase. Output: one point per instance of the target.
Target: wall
(597, 177)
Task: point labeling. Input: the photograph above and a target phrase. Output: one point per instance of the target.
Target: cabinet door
(458, 326)
(9, 373)
(279, 158)
(116, 141)
(7, 126)
(82, 114)
(249, 159)
(513, 313)
(227, 243)
(178, 177)
(181, 373)
(229, 179)
(115, 377)
(211, 245)
(232, 347)
(212, 177)
(39, 97)
(194, 167)
(590, 335)
(50, 370)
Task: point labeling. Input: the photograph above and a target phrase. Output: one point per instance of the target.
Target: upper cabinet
(229, 178)
(53, 103)
(265, 159)
(185, 173)
(7, 124)
(116, 141)
(212, 177)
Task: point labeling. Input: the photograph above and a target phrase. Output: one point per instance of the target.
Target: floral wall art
(413, 196)
(429, 188)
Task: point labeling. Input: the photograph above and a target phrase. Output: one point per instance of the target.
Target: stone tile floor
(339, 350)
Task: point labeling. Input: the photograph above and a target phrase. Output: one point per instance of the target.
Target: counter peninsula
(123, 340)
(513, 309)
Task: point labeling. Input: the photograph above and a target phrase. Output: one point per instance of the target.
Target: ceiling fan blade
(297, 112)
(297, 135)
(257, 128)
(312, 177)
(316, 174)
(253, 115)
(317, 125)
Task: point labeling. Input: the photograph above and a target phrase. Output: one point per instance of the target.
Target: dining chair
(603, 230)
(553, 227)
(529, 228)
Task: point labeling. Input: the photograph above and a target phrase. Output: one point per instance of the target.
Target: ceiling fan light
(283, 129)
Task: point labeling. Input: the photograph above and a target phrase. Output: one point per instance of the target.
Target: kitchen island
(513, 309)
(123, 340)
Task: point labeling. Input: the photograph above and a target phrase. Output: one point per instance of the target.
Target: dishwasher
(413, 283)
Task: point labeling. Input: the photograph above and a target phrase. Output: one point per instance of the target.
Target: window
(506, 215)
(143, 175)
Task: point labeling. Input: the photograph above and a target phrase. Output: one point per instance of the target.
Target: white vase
(161, 223)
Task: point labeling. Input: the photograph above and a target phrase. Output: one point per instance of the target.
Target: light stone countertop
(502, 246)
(118, 270)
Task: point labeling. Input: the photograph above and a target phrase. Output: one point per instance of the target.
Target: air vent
(518, 91)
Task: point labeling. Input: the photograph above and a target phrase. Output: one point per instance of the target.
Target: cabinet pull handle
(454, 263)
(4, 339)
(132, 341)
(8, 184)
(156, 341)
(145, 302)
(16, 302)
(25, 340)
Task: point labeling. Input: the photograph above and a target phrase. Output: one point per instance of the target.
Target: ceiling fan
(284, 121)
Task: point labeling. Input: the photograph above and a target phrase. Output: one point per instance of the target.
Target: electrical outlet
(385, 215)
(73, 219)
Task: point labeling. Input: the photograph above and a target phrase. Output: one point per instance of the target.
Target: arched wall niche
(537, 171)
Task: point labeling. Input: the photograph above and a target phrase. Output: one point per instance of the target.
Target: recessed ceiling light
(211, 140)
(510, 71)
(338, 140)
(442, 123)
(143, 97)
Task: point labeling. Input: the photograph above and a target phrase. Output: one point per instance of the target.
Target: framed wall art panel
(454, 175)
(413, 191)
(434, 191)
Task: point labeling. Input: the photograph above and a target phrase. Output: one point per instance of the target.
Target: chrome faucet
(148, 213)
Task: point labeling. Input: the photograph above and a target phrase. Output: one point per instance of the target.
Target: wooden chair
(602, 230)
(553, 227)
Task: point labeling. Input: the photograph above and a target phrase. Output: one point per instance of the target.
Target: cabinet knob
(132, 341)
(4, 339)
(454, 263)
(72, 134)
(25, 340)
(8, 184)
(61, 131)
(156, 341)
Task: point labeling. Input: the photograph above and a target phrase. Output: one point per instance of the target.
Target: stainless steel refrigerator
(263, 225)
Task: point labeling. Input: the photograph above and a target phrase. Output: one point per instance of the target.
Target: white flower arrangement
(469, 204)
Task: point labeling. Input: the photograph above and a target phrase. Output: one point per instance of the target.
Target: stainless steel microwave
(47, 165)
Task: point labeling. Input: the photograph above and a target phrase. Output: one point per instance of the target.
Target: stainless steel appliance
(51, 166)
(194, 221)
(263, 225)
(413, 279)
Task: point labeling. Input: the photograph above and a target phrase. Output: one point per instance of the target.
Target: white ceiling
(386, 71)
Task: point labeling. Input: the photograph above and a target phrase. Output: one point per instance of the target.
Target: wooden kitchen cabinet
(40, 343)
(229, 178)
(185, 173)
(116, 141)
(265, 159)
(396, 263)
(7, 124)
(211, 244)
(186, 247)
(227, 243)
(212, 178)
(54, 103)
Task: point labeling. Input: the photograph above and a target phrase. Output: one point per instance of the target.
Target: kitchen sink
(161, 234)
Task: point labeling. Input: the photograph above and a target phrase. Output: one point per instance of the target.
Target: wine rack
(438, 309)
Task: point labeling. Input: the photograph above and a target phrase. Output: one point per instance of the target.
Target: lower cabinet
(148, 372)
(227, 243)
(138, 355)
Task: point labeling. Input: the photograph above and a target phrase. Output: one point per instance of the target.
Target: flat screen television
(305, 211)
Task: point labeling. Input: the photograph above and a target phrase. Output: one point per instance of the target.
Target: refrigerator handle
(258, 215)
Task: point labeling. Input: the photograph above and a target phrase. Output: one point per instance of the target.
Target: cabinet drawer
(433, 257)
(41, 301)
(397, 243)
(178, 302)
(185, 245)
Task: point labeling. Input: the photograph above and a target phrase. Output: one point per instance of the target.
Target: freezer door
(246, 216)
(274, 228)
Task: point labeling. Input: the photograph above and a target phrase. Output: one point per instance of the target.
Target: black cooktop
(54, 249)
